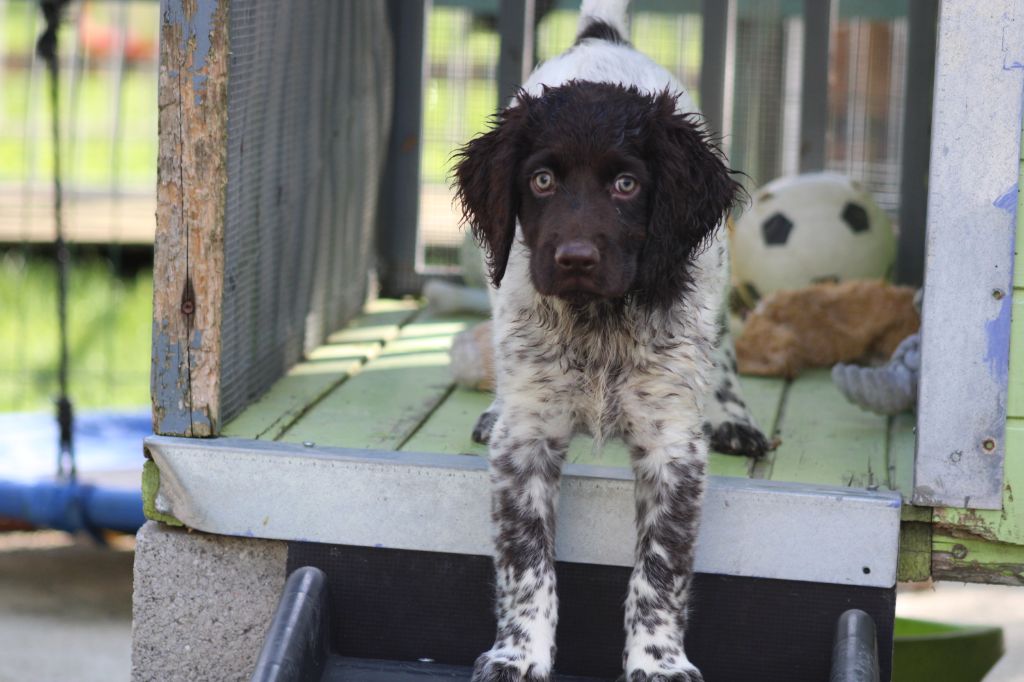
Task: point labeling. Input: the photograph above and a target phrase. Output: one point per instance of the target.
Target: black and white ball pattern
(804, 229)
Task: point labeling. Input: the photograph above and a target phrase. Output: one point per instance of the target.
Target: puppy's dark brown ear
(693, 191)
(485, 183)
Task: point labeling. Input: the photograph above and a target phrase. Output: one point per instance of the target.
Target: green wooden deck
(383, 383)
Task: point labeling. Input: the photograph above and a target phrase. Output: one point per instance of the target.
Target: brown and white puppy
(598, 198)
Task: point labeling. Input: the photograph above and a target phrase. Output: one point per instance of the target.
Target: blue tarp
(104, 442)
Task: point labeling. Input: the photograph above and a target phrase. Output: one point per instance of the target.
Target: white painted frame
(975, 155)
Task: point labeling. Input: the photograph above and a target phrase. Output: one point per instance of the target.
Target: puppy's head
(614, 189)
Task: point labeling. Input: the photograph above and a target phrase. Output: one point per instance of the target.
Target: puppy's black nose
(577, 255)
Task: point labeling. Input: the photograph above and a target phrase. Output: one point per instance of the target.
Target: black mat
(404, 606)
(341, 669)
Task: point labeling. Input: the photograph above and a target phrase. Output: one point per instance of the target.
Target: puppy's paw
(688, 675)
(738, 438)
(659, 663)
(504, 665)
(484, 424)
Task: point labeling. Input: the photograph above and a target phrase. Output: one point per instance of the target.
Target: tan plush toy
(818, 326)
(472, 358)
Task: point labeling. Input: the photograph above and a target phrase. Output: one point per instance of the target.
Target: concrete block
(201, 603)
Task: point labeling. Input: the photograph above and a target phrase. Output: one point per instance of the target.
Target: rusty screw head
(188, 307)
(959, 551)
(998, 294)
(988, 444)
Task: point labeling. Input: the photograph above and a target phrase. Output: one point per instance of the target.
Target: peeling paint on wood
(985, 546)
(1004, 525)
(191, 183)
(962, 558)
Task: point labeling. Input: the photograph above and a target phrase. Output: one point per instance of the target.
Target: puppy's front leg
(668, 453)
(527, 452)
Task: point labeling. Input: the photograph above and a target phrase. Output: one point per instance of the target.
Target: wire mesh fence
(867, 62)
(460, 93)
(107, 62)
(866, 105)
(754, 136)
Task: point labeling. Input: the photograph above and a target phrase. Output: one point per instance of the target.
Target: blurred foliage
(109, 323)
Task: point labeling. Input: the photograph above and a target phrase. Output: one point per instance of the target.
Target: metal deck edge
(441, 503)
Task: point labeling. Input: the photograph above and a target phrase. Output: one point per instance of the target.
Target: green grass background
(455, 109)
(89, 98)
(109, 324)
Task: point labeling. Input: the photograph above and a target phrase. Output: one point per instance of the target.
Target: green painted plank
(902, 439)
(380, 322)
(911, 513)
(827, 440)
(1015, 399)
(305, 384)
(448, 429)
(383, 405)
(326, 367)
(915, 558)
(614, 453)
(1006, 525)
(763, 395)
(968, 559)
(729, 465)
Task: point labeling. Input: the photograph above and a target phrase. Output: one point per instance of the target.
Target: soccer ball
(805, 229)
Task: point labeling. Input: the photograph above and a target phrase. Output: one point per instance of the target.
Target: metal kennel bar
(814, 94)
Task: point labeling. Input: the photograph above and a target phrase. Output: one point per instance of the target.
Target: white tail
(611, 12)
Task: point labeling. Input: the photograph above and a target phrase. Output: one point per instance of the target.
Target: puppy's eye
(543, 182)
(625, 185)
